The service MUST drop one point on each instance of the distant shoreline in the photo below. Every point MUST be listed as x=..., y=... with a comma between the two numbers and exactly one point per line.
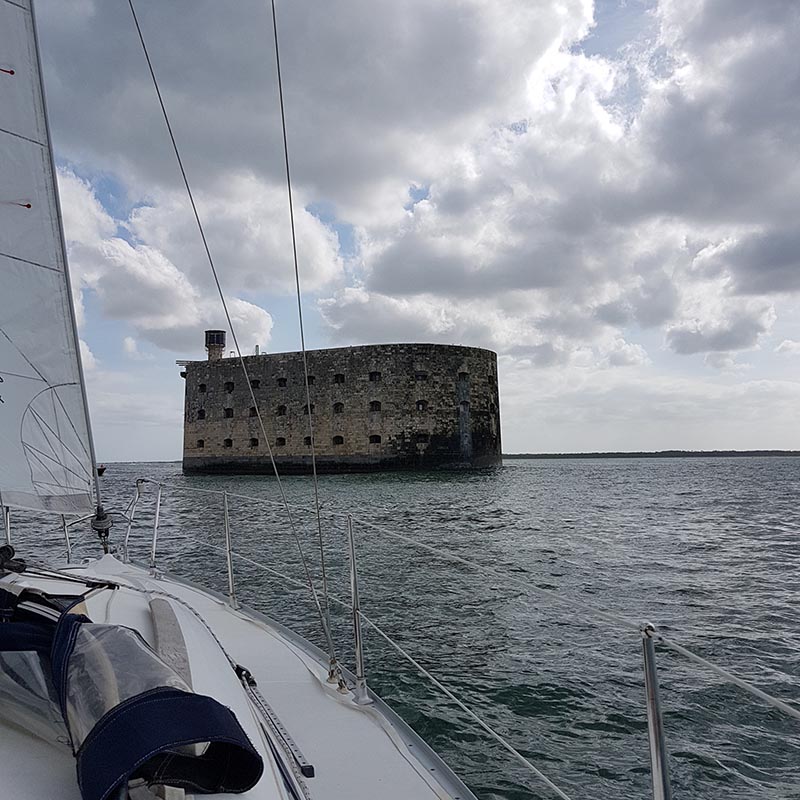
x=664, y=454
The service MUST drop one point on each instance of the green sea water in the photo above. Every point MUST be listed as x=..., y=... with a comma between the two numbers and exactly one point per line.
x=707, y=549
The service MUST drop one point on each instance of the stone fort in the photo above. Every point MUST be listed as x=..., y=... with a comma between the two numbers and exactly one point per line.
x=373, y=407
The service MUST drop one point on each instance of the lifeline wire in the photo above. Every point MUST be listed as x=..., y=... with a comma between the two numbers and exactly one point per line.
x=729, y=676
x=442, y=688
x=300, y=310
x=324, y=620
x=547, y=593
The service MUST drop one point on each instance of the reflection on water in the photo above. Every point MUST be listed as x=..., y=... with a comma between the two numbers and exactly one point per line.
x=708, y=549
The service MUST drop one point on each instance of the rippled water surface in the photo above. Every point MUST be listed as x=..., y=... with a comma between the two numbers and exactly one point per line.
x=708, y=549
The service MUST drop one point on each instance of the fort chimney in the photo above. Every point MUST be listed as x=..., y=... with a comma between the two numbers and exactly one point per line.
x=215, y=344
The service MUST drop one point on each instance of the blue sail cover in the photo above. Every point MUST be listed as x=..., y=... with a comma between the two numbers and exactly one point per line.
x=128, y=715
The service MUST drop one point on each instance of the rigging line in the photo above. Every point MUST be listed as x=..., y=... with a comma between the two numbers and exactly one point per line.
x=324, y=620
x=550, y=594
x=466, y=709
x=300, y=308
x=729, y=676
x=447, y=692
x=578, y=604
x=67, y=297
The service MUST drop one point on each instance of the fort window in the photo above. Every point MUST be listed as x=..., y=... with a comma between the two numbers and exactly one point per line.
x=423, y=438
x=255, y=384
x=311, y=380
x=422, y=405
x=228, y=412
x=228, y=386
x=305, y=409
x=202, y=388
x=228, y=443
x=280, y=441
x=374, y=376
x=338, y=408
x=338, y=439
x=463, y=376
x=464, y=405
x=338, y=378
x=280, y=411
x=375, y=405
x=374, y=439
x=201, y=443
x=281, y=381
x=254, y=442
x=253, y=412
x=201, y=413
x=420, y=376
x=307, y=441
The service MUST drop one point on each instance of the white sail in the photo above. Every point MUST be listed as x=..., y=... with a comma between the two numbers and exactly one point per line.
x=45, y=448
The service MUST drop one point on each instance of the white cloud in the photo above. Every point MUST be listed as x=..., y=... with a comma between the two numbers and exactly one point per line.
x=625, y=354
x=246, y=222
x=87, y=357
x=788, y=347
x=576, y=212
x=137, y=283
x=131, y=349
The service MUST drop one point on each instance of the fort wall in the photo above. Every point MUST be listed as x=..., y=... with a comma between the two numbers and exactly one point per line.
x=373, y=407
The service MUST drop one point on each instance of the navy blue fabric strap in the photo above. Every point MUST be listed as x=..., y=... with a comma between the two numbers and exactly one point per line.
x=21, y=636
x=63, y=644
x=8, y=602
x=142, y=737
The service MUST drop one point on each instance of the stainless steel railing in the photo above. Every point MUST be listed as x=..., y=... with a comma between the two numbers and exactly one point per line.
x=650, y=636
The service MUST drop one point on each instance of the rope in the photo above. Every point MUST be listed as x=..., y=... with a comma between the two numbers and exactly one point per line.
x=323, y=619
x=309, y=407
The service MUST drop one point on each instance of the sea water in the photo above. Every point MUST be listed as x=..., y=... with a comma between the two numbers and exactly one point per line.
x=705, y=548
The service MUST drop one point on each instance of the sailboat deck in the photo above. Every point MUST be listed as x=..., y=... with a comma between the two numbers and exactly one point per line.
x=358, y=752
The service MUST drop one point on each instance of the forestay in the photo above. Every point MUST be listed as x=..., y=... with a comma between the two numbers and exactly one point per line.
x=45, y=448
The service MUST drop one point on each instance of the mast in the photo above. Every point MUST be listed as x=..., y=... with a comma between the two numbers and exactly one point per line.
x=63, y=242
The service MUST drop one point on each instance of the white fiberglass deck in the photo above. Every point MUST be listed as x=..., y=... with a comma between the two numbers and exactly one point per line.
x=358, y=752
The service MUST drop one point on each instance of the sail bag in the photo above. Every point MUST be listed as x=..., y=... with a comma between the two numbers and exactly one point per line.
x=126, y=713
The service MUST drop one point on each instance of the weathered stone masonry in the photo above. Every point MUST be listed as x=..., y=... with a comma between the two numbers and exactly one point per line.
x=374, y=407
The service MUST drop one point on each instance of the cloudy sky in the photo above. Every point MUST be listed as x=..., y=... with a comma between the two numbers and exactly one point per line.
x=604, y=193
